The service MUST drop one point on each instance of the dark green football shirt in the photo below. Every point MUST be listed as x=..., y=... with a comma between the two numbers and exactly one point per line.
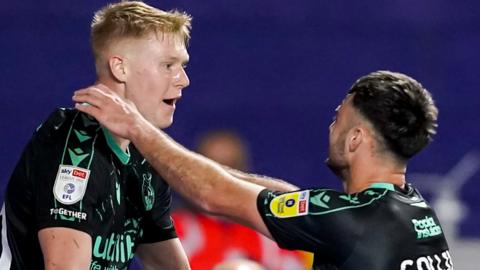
x=380, y=228
x=72, y=174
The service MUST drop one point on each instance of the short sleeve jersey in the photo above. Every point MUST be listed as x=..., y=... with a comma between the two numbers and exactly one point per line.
x=382, y=227
x=72, y=174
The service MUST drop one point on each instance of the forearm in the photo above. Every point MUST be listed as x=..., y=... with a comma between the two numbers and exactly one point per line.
x=261, y=180
x=201, y=180
x=190, y=174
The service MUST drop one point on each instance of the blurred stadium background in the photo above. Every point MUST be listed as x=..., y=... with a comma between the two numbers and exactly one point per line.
x=274, y=71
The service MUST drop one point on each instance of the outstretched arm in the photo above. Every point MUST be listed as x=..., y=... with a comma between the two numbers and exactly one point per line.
x=201, y=180
x=262, y=180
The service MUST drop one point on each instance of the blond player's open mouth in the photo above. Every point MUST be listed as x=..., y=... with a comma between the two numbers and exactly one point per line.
x=170, y=101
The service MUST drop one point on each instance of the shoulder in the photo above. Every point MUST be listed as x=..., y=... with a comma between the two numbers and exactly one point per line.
x=319, y=201
x=60, y=124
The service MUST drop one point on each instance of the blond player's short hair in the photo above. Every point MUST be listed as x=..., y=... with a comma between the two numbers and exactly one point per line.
x=134, y=19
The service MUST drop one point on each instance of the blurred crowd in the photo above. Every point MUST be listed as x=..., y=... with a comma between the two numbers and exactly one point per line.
x=216, y=243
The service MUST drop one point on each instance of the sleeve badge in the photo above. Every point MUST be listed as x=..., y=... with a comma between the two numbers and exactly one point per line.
x=70, y=184
x=290, y=204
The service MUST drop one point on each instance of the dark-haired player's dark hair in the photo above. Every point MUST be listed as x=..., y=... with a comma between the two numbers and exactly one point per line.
x=399, y=108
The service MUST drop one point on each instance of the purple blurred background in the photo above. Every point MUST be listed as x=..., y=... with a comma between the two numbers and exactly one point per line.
x=273, y=71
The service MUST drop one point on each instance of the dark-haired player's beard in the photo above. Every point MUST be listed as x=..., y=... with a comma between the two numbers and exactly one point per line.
x=336, y=157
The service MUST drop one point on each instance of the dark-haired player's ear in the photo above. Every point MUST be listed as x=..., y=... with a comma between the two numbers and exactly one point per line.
x=355, y=138
x=117, y=68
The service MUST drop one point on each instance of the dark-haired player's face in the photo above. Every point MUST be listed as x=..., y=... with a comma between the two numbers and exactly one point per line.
x=339, y=128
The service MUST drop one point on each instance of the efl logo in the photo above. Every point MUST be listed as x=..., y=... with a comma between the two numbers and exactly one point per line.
x=79, y=173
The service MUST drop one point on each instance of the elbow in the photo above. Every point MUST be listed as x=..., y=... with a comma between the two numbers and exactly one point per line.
x=215, y=209
x=213, y=201
x=208, y=208
x=208, y=203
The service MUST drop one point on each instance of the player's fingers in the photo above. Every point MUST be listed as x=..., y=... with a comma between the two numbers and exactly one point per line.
x=97, y=95
x=88, y=98
x=103, y=88
x=97, y=90
x=88, y=109
x=90, y=91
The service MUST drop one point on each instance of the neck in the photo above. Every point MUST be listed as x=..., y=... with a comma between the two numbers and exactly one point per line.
x=123, y=143
x=120, y=90
x=361, y=176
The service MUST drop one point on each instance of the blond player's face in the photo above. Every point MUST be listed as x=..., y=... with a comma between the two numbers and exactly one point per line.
x=156, y=76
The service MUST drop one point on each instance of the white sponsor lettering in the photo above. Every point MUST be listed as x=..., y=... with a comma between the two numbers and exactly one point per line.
x=69, y=213
x=423, y=263
x=406, y=263
x=430, y=262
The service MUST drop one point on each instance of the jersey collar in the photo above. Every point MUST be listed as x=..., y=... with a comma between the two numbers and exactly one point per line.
x=124, y=157
x=387, y=186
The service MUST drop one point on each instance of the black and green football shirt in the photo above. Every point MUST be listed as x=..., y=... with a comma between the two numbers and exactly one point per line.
x=72, y=174
x=383, y=227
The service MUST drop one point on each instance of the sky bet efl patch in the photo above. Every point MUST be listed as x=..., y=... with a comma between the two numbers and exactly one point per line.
x=290, y=205
x=70, y=184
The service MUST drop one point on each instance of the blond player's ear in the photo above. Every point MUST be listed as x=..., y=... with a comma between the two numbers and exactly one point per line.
x=117, y=68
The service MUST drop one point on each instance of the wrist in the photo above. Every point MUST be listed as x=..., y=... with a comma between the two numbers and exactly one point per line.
x=138, y=128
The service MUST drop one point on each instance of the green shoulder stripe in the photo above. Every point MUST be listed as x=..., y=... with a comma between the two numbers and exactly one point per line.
x=80, y=141
x=326, y=203
x=79, y=149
